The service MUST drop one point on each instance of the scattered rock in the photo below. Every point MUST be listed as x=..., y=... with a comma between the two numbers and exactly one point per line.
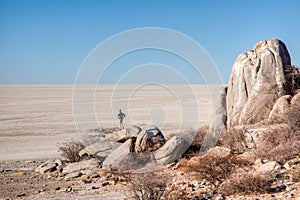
x=125, y=134
x=270, y=168
x=72, y=175
x=57, y=188
x=219, y=152
x=219, y=197
x=21, y=195
x=248, y=157
x=289, y=164
x=105, y=183
x=49, y=166
x=95, y=187
x=85, y=164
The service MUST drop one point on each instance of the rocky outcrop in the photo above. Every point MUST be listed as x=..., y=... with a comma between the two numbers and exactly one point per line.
x=217, y=122
x=257, y=80
x=219, y=114
x=149, y=138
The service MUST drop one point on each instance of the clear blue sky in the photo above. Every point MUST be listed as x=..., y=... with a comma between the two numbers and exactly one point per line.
x=45, y=41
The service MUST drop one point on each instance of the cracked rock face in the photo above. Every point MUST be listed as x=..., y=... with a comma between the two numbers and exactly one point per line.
x=257, y=80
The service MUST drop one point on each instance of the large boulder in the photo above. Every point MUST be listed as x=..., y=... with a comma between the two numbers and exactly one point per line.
x=296, y=100
x=217, y=152
x=116, y=158
x=257, y=80
x=270, y=168
x=281, y=106
x=171, y=151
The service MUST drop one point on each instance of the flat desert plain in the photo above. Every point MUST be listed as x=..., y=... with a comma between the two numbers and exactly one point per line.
x=35, y=119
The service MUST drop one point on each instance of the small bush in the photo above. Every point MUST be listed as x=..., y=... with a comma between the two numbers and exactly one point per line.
x=293, y=79
x=195, y=147
x=70, y=150
x=146, y=186
x=245, y=183
x=213, y=169
x=279, y=146
x=233, y=139
x=175, y=192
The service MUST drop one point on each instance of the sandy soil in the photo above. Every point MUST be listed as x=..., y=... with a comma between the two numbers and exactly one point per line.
x=36, y=118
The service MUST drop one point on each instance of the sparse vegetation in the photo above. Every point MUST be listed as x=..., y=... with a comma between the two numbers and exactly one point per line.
x=233, y=139
x=245, y=183
x=146, y=186
x=195, y=147
x=279, y=146
x=213, y=169
x=70, y=150
x=293, y=79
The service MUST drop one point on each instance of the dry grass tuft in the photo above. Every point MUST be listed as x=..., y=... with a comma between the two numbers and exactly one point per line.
x=146, y=186
x=279, y=146
x=233, y=139
x=245, y=183
x=213, y=169
x=70, y=150
x=195, y=147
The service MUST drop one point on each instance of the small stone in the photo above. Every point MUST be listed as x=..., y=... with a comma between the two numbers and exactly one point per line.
x=72, y=175
x=69, y=189
x=95, y=187
x=21, y=195
x=57, y=188
x=46, y=167
x=105, y=183
x=270, y=168
x=220, y=197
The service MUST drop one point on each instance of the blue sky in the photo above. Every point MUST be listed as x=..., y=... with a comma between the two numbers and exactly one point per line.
x=45, y=41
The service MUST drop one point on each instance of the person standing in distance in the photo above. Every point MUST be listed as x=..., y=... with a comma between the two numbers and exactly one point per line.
x=121, y=116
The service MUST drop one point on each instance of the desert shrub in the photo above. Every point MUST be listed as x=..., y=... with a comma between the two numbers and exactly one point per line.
x=146, y=186
x=70, y=150
x=245, y=183
x=279, y=146
x=213, y=169
x=293, y=79
x=233, y=139
x=175, y=192
x=295, y=173
x=195, y=147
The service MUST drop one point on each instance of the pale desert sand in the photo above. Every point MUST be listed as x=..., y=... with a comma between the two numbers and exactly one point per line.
x=36, y=118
